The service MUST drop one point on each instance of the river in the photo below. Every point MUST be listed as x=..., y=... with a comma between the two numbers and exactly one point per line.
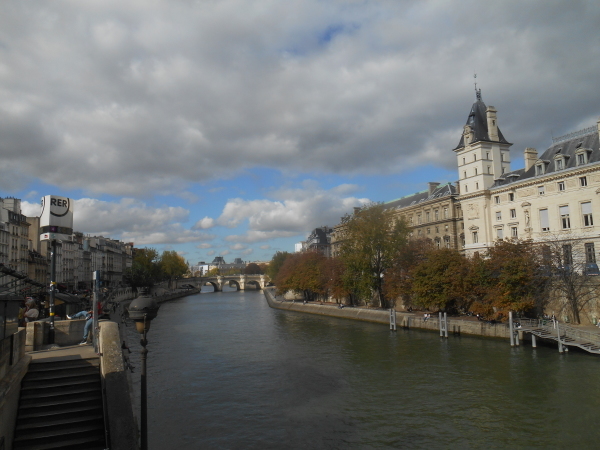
x=225, y=371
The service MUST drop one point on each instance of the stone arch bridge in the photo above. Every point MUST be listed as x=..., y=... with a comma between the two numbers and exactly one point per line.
x=241, y=281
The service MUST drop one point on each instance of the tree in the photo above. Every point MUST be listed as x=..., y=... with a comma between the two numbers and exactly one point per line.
x=144, y=270
x=371, y=240
x=438, y=282
x=397, y=282
x=515, y=282
x=213, y=272
x=303, y=273
x=252, y=269
x=276, y=263
x=172, y=265
x=565, y=259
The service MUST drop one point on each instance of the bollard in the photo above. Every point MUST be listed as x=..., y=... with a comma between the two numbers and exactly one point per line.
x=392, y=319
x=560, y=346
x=533, y=343
x=511, y=329
x=445, y=325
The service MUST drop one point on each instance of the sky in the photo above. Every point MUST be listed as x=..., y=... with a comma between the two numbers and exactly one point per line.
x=233, y=128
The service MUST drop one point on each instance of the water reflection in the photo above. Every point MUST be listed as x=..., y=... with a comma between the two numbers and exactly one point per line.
x=226, y=371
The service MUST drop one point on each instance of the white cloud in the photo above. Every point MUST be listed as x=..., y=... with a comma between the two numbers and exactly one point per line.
x=237, y=247
x=204, y=245
x=264, y=247
x=210, y=253
x=224, y=253
x=248, y=251
x=204, y=224
x=150, y=97
x=303, y=210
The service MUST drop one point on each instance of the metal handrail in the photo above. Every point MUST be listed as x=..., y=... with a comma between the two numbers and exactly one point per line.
x=565, y=330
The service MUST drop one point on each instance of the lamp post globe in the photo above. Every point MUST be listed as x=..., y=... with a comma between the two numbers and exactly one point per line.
x=142, y=310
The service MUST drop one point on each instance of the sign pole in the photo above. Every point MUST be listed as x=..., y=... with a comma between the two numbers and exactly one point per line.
x=52, y=291
x=96, y=276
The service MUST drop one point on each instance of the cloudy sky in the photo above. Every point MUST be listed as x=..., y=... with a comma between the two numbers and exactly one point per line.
x=230, y=127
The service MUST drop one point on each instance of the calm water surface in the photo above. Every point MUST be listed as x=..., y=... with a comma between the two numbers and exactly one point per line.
x=225, y=371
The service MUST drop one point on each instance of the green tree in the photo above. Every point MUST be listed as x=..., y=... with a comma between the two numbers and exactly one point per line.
x=213, y=272
x=303, y=273
x=438, y=282
x=252, y=269
x=144, y=270
x=276, y=263
x=371, y=240
x=172, y=266
x=515, y=281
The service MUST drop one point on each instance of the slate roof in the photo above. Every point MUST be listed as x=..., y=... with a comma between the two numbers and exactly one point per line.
x=477, y=120
x=568, y=148
x=443, y=190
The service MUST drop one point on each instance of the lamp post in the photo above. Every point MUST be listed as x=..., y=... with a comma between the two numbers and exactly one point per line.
x=142, y=310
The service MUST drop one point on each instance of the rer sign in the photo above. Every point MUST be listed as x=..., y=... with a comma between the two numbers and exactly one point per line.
x=56, y=221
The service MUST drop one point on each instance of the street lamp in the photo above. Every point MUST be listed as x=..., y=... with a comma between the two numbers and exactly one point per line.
x=142, y=310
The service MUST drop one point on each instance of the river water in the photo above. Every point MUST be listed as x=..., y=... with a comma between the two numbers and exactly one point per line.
x=225, y=371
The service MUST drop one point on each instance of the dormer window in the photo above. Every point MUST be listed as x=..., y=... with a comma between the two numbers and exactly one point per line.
x=539, y=169
x=582, y=156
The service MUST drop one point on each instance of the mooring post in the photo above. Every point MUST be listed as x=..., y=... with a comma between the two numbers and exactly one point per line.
x=560, y=346
x=445, y=325
x=533, y=343
x=441, y=326
x=392, y=319
x=511, y=329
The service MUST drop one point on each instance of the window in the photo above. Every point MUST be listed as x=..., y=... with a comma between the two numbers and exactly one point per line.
x=474, y=157
x=446, y=228
x=513, y=232
x=466, y=188
x=475, y=170
x=586, y=211
x=539, y=169
x=487, y=155
x=476, y=185
x=427, y=216
x=590, y=253
x=503, y=170
x=499, y=233
x=428, y=230
x=464, y=174
x=567, y=254
x=564, y=217
x=464, y=162
x=497, y=199
x=561, y=185
x=410, y=220
x=436, y=214
x=560, y=164
x=498, y=215
x=462, y=240
x=437, y=229
x=501, y=156
x=489, y=169
x=581, y=159
x=541, y=190
x=544, y=222
x=447, y=241
x=437, y=243
x=511, y=197
x=583, y=181
x=475, y=237
x=445, y=213
x=419, y=219
x=513, y=213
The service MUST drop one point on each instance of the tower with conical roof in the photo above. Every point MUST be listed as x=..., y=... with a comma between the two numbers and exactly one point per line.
x=483, y=152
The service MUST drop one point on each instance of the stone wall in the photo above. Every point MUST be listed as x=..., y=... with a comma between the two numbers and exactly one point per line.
x=406, y=320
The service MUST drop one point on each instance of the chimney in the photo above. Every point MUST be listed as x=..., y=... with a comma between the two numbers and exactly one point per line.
x=530, y=155
x=432, y=186
x=492, y=123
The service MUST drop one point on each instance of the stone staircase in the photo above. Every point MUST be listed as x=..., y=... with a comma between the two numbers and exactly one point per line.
x=61, y=406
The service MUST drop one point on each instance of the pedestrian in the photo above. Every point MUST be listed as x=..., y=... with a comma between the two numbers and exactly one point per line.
x=31, y=310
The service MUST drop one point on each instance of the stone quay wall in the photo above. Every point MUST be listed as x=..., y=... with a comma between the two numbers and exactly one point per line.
x=403, y=319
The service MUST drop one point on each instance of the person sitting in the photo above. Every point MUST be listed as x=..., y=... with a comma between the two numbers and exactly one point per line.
x=31, y=311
